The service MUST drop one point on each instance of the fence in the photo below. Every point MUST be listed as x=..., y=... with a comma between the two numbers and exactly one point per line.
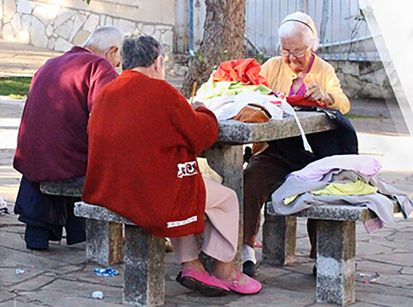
x=338, y=20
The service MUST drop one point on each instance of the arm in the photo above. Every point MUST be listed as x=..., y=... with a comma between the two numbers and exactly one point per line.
x=198, y=128
x=332, y=96
x=333, y=88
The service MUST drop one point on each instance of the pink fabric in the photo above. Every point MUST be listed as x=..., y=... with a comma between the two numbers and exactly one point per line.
x=204, y=278
x=220, y=237
x=315, y=171
x=299, y=81
x=251, y=286
x=373, y=225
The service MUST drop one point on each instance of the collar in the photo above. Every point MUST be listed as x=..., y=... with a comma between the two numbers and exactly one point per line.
x=314, y=69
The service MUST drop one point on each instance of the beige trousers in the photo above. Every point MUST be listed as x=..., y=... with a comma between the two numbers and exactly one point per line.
x=220, y=236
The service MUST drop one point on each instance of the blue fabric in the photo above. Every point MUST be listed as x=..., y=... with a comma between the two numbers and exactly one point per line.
x=47, y=214
x=342, y=140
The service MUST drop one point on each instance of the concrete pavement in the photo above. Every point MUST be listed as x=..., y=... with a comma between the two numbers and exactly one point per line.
x=61, y=277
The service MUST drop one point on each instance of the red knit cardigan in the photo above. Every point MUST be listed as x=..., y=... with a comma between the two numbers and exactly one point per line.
x=144, y=138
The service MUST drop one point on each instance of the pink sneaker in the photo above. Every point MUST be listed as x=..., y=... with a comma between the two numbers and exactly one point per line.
x=202, y=282
x=251, y=286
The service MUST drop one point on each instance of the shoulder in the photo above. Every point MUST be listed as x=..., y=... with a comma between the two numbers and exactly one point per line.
x=324, y=65
x=273, y=62
x=168, y=89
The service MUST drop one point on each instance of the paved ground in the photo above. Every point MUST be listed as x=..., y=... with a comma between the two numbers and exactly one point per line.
x=60, y=277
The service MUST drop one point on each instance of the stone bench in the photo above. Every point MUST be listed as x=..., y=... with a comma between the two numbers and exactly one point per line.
x=143, y=260
x=104, y=239
x=336, y=246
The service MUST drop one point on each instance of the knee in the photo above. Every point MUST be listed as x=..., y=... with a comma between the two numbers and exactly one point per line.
x=231, y=197
x=250, y=175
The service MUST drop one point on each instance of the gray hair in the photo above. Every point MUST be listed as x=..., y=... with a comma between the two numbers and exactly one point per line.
x=105, y=37
x=140, y=51
x=299, y=22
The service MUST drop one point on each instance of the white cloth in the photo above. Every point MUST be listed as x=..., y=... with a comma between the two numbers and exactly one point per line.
x=340, y=168
x=226, y=107
x=248, y=254
x=2, y=203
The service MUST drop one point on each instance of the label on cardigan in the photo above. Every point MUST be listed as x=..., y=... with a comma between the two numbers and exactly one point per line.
x=187, y=169
x=181, y=223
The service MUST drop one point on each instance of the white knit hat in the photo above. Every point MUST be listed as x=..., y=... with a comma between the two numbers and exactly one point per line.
x=303, y=19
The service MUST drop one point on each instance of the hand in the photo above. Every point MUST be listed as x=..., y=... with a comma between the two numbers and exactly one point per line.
x=315, y=93
x=197, y=104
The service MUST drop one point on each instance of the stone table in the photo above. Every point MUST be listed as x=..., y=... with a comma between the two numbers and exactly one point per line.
x=226, y=156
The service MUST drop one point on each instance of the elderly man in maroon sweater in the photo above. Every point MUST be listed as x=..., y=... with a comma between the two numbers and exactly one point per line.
x=52, y=140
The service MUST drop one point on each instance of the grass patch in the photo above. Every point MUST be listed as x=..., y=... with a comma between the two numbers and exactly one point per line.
x=15, y=87
x=359, y=116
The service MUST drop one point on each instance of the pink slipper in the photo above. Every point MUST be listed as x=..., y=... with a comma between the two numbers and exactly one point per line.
x=251, y=286
x=202, y=282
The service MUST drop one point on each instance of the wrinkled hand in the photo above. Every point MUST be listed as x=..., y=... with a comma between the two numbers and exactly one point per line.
x=197, y=104
x=315, y=93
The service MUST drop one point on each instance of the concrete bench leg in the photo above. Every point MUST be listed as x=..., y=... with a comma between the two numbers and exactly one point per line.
x=227, y=161
x=104, y=241
x=336, y=244
x=279, y=239
x=144, y=275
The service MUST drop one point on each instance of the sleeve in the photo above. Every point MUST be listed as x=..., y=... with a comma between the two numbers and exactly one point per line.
x=265, y=69
x=101, y=74
x=198, y=128
x=333, y=87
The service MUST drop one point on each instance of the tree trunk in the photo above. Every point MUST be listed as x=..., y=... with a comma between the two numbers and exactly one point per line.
x=223, y=40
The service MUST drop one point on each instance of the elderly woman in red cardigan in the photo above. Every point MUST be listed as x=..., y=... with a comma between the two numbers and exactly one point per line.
x=144, y=138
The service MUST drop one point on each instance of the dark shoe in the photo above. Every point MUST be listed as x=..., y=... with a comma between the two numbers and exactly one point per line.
x=315, y=271
x=249, y=268
x=202, y=282
x=37, y=238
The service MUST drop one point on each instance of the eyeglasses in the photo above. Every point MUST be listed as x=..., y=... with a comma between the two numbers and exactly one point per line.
x=299, y=53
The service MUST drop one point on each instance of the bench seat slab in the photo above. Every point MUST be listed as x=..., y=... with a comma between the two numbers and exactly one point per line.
x=336, y=268
x=144, y=268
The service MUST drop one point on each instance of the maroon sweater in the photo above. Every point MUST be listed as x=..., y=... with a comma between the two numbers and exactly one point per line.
x=144, y=138
x=52, y=140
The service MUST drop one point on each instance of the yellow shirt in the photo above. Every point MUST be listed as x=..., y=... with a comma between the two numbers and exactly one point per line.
x=281, y=77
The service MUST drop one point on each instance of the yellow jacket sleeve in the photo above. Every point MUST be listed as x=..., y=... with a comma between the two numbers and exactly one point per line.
x=333, y=87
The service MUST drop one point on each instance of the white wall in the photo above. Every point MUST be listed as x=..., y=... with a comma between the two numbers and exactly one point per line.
x=58, y=24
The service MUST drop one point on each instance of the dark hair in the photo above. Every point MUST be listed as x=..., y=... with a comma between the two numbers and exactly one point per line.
x=139, y=51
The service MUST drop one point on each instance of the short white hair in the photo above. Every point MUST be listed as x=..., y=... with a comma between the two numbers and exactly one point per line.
x=105, y=37
x=299, y=22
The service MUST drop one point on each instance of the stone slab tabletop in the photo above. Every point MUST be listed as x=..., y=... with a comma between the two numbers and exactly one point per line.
x=235, y=132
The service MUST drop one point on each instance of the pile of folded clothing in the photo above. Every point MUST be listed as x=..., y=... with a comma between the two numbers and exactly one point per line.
x=236, y=88
x=341, y=180
x=236, y=84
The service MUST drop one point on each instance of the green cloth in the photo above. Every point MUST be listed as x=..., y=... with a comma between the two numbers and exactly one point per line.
x=349, y=188
x=212, y=89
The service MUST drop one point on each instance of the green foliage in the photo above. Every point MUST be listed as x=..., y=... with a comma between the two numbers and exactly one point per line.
x=15, y=87
x=358, y=116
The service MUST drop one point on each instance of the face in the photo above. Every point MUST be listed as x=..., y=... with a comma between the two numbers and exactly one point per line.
x=113, y=56
x=295, y=52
